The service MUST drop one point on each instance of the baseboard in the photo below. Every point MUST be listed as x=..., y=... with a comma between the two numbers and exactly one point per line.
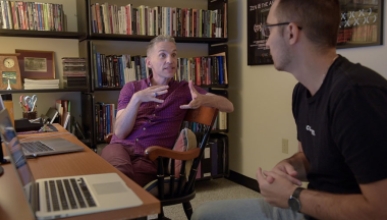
x=243, y=180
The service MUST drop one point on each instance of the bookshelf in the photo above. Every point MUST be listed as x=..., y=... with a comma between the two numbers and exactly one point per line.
x=63, y=43
x=135, y=44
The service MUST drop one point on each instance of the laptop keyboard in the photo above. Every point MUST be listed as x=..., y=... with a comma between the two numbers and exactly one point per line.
x=67, y=194
x=36, y=146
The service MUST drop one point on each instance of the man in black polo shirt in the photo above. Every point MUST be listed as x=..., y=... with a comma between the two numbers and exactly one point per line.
x=340, y=109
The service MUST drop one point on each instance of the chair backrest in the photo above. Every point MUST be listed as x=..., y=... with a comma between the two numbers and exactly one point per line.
x=173, y=190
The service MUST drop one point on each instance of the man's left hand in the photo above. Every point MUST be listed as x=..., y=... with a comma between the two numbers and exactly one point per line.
x=196, y=98
x=277, y=192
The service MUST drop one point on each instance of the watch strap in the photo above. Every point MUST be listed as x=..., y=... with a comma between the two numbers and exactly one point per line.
x=297, y=192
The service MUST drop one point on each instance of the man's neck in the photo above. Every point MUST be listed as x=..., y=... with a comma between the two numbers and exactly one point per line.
x=312, y=70
x=159, y=81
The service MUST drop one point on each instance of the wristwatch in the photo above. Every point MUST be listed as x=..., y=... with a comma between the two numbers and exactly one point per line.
x=294, y=200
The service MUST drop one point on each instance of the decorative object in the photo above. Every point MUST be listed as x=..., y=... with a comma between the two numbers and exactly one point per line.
x=9, y=72
x=258, y=53
x=361, y=23
x=36, y=64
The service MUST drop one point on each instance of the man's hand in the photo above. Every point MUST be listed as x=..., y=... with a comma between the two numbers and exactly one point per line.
x=196, y=98
x=288, y=171
x=277, y=192
x=150, y=94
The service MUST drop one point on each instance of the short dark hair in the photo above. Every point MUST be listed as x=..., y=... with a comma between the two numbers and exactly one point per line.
x=320, y=19
x=160, y=38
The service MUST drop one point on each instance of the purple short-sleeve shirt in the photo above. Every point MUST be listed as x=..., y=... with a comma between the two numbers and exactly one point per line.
x=156, y=123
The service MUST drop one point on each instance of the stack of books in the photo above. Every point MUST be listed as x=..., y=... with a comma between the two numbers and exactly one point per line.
x=74, y=72
x=41, y=83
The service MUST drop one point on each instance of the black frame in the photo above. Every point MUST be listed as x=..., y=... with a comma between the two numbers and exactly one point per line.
x=352, y=32
x=361, y=23
x=257, y=53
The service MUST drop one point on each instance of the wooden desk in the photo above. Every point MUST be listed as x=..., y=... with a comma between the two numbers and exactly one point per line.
x=13, y=204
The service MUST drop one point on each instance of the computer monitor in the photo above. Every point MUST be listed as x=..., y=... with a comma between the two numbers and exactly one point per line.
x=1, y=143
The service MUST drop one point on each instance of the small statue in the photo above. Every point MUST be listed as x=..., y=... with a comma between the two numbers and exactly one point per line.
x=9, y=86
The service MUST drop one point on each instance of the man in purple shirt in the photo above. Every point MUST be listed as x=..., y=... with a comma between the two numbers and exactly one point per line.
x=150, y=112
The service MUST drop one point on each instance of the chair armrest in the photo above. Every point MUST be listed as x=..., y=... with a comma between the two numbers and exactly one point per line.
x=154, y=152
x=108, y=138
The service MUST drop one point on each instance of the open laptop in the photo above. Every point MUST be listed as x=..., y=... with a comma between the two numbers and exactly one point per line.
x=44, y=146
x=59, y=197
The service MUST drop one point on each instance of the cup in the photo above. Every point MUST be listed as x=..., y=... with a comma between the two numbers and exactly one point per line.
x=30, y=115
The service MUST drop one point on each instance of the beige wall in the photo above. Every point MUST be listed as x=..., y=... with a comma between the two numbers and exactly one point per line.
x=262, y=99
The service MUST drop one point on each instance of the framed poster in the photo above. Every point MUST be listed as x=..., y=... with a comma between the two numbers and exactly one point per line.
x=258, y=53
x=36, y=64
x=361, y=23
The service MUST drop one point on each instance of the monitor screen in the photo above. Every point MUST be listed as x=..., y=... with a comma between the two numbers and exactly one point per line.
x=14, y=149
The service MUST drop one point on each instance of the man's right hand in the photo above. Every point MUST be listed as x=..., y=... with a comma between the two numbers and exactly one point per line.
x=284, y=167
x=150, y=94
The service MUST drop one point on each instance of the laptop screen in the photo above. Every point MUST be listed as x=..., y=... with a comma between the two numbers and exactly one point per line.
x=15, y=152
x=1, y=103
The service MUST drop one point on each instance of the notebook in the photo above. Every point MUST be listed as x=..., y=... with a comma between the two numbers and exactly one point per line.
x=43, y=147
x=60, y=197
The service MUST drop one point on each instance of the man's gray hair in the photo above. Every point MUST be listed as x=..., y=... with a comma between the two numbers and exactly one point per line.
x=160, y=38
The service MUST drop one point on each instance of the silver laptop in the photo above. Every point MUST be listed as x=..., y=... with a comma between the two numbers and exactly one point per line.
x=59, y=197
x=46, y=147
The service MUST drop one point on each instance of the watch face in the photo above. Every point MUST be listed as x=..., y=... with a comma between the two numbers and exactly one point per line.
x=294, y=204
x=9, y=63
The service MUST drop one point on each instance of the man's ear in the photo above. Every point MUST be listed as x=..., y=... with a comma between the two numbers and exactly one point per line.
x=148, y=63
x=293, y=33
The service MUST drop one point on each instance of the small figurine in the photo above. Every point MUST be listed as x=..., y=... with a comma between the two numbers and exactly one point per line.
x=9, y=86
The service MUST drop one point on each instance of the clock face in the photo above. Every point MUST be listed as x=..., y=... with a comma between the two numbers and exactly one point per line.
x=9, y=63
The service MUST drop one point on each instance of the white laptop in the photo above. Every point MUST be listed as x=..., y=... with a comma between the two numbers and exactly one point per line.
x=59, y=197
x=46, y=146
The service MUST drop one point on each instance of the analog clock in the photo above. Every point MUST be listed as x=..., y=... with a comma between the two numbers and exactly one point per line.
x=9, y=72
x=9, y=62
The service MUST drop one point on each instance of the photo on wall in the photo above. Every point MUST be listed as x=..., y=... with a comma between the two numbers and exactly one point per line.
x=361, y=23
x=258, y=53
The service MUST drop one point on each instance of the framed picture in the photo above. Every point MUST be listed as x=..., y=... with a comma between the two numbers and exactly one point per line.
x=36, y=64
x=361, y=23
x=257, y=52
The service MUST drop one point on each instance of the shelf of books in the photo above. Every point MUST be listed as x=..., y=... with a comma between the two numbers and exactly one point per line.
x=106, y=21
x=111, y=72
x=33, y=19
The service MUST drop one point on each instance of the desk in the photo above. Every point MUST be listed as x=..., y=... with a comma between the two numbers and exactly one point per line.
x=13, y=204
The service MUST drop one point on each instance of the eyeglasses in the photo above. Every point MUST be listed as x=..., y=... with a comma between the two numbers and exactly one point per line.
x=265, y=31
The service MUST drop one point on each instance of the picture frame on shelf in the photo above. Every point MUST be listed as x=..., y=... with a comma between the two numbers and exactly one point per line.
x=36, y=64
x=361, y=23
x=257, y=52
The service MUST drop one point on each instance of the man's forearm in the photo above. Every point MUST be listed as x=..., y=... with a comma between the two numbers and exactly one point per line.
x=219, y=102
x=125, y=120
x=300, y=164
x=335, y=206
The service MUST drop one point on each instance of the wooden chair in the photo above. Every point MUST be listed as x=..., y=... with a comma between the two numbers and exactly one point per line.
x=172, y=190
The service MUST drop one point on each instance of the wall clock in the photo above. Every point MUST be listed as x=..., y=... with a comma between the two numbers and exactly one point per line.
x=9, y=72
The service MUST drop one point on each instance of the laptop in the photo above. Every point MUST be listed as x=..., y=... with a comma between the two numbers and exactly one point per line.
x=44, y=146
x=60, y=197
